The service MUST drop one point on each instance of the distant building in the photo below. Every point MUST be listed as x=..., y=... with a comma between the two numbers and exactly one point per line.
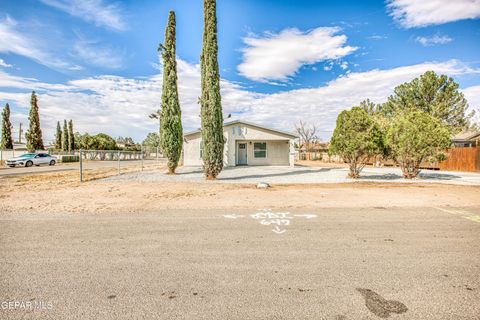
x=20, y=146
x=467, y=139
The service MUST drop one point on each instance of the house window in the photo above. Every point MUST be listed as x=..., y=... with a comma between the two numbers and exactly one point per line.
x=260, y=149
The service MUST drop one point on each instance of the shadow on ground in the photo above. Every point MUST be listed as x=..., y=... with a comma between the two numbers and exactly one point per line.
x=277, y=174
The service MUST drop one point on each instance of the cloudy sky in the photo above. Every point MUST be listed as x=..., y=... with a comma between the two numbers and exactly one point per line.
x=282, y=61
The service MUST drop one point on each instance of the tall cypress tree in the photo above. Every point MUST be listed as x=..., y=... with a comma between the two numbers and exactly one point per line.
x=71, y=138
x=34, y=132
x=7, y=141
x=58, y=137
x=171, y=131
x=65, y=136
x=211, y=104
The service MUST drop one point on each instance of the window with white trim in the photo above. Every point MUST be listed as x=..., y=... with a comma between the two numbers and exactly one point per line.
x=259, y=149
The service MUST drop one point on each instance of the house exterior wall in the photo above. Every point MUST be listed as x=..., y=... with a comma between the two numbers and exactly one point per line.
x=191, y=150
x=277, y=153
x=280, y=148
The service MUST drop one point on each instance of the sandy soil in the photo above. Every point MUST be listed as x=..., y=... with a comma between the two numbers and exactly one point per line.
x=62, y=193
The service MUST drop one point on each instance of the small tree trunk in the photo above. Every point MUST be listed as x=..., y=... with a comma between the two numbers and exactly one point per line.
x=211, y=177
x=171, y=170
x=411, y=169
x=354, y=173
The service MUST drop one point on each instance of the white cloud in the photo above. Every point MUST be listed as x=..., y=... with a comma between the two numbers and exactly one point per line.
x=433, y=40
x=377, y=37
x=4, y=64
x=472, y=94
x=322, y=105
x=101, y=56
x=344, y=65
x=17, y=42
x=278, y=56
x=421, y=13
x=10, y=81
x=93, y=11
x=120, y=106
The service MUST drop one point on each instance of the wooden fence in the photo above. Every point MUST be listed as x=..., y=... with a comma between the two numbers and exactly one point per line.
x=462, y=159
x=459, y=159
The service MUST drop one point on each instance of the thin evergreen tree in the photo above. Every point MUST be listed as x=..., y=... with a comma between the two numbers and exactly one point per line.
x=71, y=137
x=171, y=131
x=7, y=141
x=65, y=136
x=211, y=104
x=34, y=132
x=58, y=137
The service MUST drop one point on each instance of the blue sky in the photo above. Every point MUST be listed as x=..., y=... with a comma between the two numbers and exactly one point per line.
x=95, y=61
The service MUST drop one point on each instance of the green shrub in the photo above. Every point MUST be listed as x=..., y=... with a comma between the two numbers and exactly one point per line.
x=356, y=138
x=414, y=137
x=72, y=158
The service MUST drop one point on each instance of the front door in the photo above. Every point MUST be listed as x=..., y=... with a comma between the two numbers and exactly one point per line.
x=242, y=154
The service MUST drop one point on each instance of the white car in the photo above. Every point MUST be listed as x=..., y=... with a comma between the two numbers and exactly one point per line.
x=30, y=159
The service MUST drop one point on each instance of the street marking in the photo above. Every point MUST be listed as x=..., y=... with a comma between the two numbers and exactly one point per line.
x=277, y=230
x=279, y=220
x=233, y=216
x=308, y=216
x=462, y=213
x=452, y=211
x=473, y=218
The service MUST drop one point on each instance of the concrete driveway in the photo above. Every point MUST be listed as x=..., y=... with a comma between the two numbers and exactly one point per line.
x=336, y=264
x=301, y=174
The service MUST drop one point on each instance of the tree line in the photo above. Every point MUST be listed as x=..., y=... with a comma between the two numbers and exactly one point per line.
x=66, y=139
x=415, y=125
x=34, y=132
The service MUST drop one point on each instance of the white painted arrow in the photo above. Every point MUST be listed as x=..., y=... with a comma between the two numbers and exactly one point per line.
x=277, y=230
x=232, y=216
x=308, y=216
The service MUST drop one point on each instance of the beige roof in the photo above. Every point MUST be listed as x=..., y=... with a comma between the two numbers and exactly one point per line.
x=466, y=136
x=226, y=124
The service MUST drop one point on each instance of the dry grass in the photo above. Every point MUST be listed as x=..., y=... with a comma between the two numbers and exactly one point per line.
x=63, y=179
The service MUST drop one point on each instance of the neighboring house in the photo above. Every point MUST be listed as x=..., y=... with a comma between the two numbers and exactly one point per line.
x=467, y=139
x=20, y=146
x=245, y=144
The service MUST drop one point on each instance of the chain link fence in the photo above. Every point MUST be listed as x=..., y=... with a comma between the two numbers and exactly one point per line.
x=96, y=164
x=91, y=164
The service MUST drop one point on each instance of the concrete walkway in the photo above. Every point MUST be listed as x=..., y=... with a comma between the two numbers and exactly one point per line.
x=300, y=174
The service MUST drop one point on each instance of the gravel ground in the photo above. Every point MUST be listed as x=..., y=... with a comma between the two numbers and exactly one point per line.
x=299, y=175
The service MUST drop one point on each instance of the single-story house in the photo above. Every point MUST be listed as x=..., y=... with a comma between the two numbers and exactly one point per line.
x=246, y=144
x=467, y=139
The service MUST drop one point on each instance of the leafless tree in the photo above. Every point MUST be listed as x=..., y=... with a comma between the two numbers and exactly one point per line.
x=307, y=133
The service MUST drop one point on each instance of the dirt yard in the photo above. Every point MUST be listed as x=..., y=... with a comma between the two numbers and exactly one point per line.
x=190, y=249
x=61, y=192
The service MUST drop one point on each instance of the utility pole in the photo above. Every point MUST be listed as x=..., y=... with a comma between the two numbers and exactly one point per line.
x=20, y=131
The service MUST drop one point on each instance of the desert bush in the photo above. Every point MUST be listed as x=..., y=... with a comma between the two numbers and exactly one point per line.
x=356, y=138
x=415, y=137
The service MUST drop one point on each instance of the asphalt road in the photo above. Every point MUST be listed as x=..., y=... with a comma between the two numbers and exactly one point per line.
x=322, y=264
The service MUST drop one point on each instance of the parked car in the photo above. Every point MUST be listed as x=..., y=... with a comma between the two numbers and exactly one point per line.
x=30, y=159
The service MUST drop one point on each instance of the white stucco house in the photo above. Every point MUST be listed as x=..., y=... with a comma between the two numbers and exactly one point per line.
x=246, y=144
